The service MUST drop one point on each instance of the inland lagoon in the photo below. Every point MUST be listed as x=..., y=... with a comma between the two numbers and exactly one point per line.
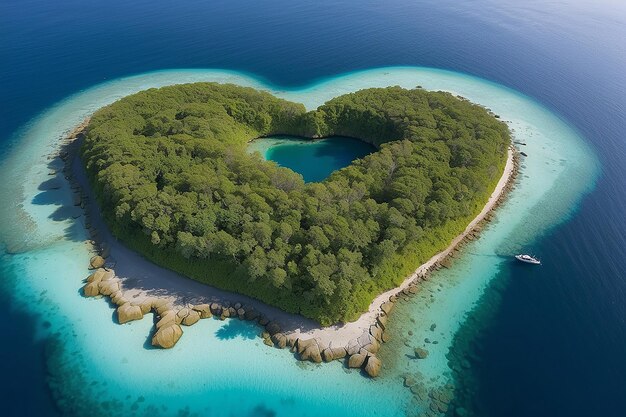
x=313, y=159
x=99, y=367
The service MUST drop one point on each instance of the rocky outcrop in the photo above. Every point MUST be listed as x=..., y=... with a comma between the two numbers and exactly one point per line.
x=333, y=353
x=204, y=310
x=109, y=287
x=372, y=367
x=272, y=327
x=387, y=307
x=145, y=305
x=188, y=317
x=251, y=314
x=167, y=318
x=280, y=340
x=118, y=298
x=382, y=321
x=96, y=262
x=161, y=306
x=420, y=353
x=216, y=309
x=376, y=332
x=127, y=312
x=167, y=336
x=356, y=360
x=91, y=289
x=309, y=349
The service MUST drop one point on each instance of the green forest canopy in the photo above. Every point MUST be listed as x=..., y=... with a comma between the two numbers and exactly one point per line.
x=175, y=183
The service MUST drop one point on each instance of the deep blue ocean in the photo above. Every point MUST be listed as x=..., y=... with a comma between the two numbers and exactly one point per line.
x=555, y=342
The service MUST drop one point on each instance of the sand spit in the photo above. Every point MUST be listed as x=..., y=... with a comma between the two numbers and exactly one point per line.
x=136, y=286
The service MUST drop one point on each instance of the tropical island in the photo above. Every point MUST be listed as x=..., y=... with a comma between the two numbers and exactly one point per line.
x=181, y=192
x=174, y=182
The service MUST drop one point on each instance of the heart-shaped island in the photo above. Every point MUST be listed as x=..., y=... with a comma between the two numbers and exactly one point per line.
x=174, y=181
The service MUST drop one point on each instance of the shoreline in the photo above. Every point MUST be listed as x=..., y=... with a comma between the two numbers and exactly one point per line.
x=137, y=286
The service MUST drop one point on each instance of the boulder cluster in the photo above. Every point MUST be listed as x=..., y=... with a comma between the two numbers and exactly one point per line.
x=358, y=353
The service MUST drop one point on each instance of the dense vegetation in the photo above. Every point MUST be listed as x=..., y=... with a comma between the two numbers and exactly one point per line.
x=174, y=181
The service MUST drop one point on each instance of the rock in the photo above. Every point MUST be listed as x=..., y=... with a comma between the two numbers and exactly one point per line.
x=127, y=312
x=279, y=340
x=356, y=360
x=96, y=276
x=145, y=305
x=108, y=287
x=365, y=339
x=204, y=310
x=312, y=353
x=433, y=327
x=372, y=347
x=216, y=309
x=376, y=332
x=251, y=314
x=161, y=306
x=192, y=318
x=241, y=313
x=96, y=262
x=77, y=199
x=237, y=306
x=421, y=353
x=167, y=318
x=382, y=321
x=263, y=321
x=225, y=313
x=232, y=312
x=386, y=337
x=331, y=353
x=353, y=347
x=387, y=307
x=167, y=336
x=291, y=339
x=118, y=298
x=372, y=367
x=409, y=381
x=272, y=327
x=182, y=313
x=107, y=275
x=91, y=289
x=268, y=342
x=302, y=344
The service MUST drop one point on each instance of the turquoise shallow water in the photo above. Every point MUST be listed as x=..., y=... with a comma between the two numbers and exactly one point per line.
x=220, y=368
x=313, y=159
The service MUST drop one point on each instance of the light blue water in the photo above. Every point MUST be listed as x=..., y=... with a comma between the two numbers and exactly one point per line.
x=315, y=160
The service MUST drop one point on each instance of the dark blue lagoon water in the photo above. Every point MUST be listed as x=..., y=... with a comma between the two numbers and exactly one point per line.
x=546, y=341
x=315, y=160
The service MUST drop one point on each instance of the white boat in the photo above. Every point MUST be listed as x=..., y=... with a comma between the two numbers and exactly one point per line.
x=528, y=259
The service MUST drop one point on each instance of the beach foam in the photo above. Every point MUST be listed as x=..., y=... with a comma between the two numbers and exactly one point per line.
x=221, y=368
